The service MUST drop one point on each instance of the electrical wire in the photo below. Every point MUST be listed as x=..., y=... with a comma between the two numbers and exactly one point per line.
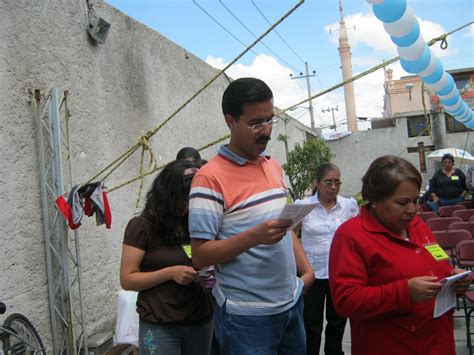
x=231, y=34
x=255, y=36
x=291, y=49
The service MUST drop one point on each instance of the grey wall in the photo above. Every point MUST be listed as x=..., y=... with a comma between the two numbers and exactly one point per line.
x=354, y=153
x=116, y=91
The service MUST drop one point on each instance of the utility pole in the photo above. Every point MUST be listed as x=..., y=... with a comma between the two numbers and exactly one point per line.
x=332, y=109
x=308, y=85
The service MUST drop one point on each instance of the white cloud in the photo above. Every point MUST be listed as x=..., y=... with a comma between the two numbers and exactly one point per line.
x=371, y=33
x=286, y=91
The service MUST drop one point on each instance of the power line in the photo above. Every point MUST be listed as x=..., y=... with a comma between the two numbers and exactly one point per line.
x=253, y=34
x=291, y=49
x=230, y=33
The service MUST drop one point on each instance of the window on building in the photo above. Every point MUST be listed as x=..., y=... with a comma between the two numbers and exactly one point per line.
x=462, y=81
x=453, y=125
x=417, y=126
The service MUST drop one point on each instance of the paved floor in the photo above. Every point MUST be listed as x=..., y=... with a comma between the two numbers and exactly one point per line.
x=459, y=335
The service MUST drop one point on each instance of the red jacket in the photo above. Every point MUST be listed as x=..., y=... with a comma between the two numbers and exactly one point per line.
x=368, y=272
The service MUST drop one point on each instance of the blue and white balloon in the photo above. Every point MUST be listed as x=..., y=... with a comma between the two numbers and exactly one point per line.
x=416, y=58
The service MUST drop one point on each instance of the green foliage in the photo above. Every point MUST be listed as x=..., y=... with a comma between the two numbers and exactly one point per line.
x=360, y=200
x=302, y=163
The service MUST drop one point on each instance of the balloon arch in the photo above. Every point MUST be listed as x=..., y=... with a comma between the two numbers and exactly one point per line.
x=416, y=57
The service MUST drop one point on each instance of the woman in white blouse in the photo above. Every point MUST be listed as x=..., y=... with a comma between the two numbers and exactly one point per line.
x=317, y=231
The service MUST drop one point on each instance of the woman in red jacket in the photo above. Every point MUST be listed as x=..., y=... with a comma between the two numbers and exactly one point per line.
x=382, y=275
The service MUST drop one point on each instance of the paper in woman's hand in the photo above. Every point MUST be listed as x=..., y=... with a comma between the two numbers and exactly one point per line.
x=446, y=298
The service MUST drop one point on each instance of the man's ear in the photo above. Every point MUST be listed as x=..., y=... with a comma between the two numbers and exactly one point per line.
x=229, y=120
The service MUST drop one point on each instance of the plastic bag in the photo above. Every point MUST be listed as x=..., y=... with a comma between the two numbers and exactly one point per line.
x=126, y=328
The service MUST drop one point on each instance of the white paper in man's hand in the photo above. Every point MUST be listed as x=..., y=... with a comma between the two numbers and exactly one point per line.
x=446, y=298
x=295, y=212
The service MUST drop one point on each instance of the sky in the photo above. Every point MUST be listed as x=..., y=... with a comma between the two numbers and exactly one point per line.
x=217, y=31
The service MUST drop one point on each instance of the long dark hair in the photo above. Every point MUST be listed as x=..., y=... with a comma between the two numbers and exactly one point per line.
x=166, y=201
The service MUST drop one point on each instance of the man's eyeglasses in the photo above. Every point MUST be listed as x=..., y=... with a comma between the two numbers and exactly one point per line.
x=336, y=183
x=260, y=126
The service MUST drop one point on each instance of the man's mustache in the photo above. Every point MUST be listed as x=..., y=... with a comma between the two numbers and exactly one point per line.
x=263, y=139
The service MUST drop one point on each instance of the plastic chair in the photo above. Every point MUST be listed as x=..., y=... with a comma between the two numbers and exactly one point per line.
x=427, y=215
x=447, y=211
x=449, y=239
x=441, y=223
x=469, y=226
x=467, y=204
x=465, y=254
x=464, y=214
x=422, y=208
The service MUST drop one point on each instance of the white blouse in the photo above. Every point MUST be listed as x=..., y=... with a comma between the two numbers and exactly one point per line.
x=318, y=228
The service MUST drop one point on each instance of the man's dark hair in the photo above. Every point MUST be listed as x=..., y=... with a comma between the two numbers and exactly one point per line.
x=188, y=153
x=244, y=91
x=167, y=198
x=384, y=176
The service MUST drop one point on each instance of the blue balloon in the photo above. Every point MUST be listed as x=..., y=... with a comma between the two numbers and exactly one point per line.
x=460, y=111
x=451, y=101
x=470, y=124
x=409, y=38
x=466, y=117
x=447, y=88
x=419, y=64
x=390, y=10
x=436, y=75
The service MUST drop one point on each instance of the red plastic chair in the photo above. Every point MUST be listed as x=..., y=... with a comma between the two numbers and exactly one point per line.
x=449, y=239
x=447, y=211
x=427, y=215
x=465, y=254
x=441, y=223
x=422, y=208
x=469, y=226
x=464, y=214
x=467, y=204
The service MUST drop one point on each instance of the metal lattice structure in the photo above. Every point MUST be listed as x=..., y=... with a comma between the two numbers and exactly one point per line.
x=63, y=265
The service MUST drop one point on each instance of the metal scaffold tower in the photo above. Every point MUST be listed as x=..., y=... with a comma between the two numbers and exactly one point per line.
x=63, y=267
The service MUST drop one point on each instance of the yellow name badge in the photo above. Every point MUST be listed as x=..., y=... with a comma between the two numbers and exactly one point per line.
x=436, y=251
x=454, y=177
x=187, y=250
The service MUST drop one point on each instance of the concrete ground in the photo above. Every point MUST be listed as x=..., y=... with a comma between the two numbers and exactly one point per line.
x=459, y=335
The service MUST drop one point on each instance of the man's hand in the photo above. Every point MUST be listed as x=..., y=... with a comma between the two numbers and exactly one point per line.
x=271, y=232
x=423, y=288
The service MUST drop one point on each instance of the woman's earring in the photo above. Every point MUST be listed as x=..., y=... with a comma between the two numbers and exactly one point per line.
x=373, y=205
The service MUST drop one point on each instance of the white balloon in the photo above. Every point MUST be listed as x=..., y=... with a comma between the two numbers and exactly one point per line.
x=450, y=94
x=375, y=1
x=439, y=84
x=431, y=66
x=414, y=51
x=403, y=26
x=454, y=107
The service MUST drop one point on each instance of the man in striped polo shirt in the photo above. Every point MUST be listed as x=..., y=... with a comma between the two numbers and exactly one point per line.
x=234, y=204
